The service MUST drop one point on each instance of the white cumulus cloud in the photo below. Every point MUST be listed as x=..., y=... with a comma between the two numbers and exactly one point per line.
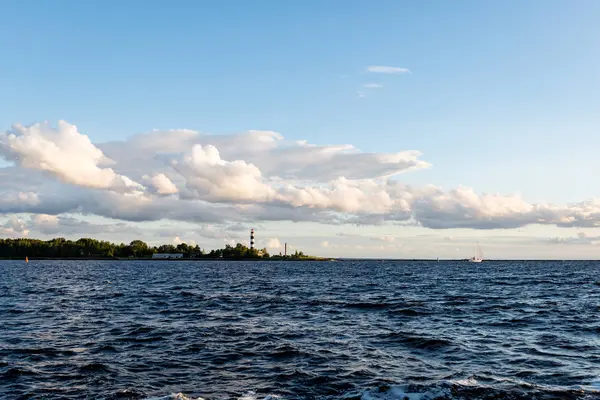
x=64, y=153
x=178, y=240
x=14, y=227
x=274, y=244
x=213, y=178
x=162, y=184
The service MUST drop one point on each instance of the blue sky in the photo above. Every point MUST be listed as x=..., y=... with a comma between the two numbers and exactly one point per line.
x=502, y=96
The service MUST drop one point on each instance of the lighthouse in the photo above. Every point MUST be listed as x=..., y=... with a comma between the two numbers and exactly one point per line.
x=251, y=238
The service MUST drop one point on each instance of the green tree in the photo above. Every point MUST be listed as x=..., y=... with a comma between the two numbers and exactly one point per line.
x=139, y=248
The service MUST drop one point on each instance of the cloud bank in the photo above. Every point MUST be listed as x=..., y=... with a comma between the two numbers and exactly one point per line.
x=185, y=175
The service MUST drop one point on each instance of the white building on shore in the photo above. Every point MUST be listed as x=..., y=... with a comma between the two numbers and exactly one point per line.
x=166, y=256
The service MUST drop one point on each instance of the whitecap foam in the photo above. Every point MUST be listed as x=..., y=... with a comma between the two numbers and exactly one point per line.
x=175, y=396
x=246, y=396
x=465, y=382
x=590, y=388
x=460, y=389
x=443, y=391
x=404, y=393
x=254, y=396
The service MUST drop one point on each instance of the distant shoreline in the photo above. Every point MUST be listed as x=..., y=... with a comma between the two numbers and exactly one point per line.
x=160, y=259
x=433, y=260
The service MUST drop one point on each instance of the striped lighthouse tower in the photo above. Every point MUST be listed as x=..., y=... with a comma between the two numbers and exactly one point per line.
x=252, y=238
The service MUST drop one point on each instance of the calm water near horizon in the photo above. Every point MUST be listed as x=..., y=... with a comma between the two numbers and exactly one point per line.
x=301, y=330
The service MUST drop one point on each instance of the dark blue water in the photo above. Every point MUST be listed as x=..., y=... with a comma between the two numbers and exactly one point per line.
x=376, y=330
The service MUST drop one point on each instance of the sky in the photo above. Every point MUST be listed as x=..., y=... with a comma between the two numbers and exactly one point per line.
x=344, y=128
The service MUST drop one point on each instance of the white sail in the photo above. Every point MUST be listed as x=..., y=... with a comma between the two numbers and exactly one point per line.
x=478, y=256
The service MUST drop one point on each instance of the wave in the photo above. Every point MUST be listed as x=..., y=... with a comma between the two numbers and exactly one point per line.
x=287, y=351
x=418, y=342
x=247, y=396
x=94, y=367
x=465, y=389
x=175, y=396
x=45, y=351
x=369, y=305
x=17, y=372
x=472, y=389
x=409, y=312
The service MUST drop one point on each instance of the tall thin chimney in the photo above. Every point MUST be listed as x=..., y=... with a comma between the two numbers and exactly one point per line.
x=285, y=249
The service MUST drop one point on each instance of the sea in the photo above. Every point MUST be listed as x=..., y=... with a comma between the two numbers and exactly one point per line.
x=370, y=330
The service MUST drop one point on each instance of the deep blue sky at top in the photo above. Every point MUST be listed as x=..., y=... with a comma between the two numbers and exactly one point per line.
x=503, y=95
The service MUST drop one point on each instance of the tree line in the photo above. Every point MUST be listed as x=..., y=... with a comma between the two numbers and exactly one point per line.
x=86, y=247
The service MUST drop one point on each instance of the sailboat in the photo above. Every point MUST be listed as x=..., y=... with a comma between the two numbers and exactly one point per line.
x=478, y=257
